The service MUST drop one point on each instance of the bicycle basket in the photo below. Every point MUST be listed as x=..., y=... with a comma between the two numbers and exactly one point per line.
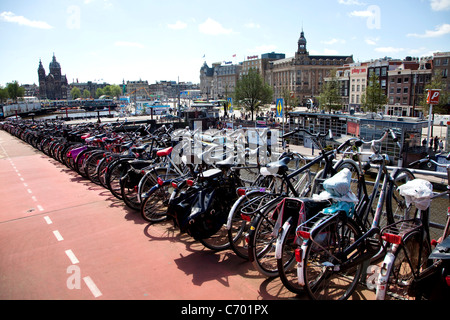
x=300, y=209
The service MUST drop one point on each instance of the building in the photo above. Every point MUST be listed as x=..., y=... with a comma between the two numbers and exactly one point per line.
x=358, y=85
x=406, y=86
x=89, y=86
x=302, y=75
x=53, y=86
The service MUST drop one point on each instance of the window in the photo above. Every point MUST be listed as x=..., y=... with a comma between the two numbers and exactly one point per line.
x=406, y=80
x=405, y=90
x=383, y=84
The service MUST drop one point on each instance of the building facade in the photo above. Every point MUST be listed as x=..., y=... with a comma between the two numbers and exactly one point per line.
x=53, y=86
x=304, y=74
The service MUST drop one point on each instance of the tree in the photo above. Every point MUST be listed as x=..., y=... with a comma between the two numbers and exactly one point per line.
x=99, y=92
x=15, y=91
x=251, y=92
x=437, y=83
x=116, y=91
x=374, y=97
x=3, y=94
x=75, y=93
x=86, y=94
x=329, y=98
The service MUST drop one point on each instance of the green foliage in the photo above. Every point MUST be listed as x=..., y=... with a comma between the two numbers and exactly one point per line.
x=374, y=97
x=329, y=98
x=251, y=92
x=15, y=91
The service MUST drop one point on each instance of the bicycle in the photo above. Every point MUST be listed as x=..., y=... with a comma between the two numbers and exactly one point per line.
x=337, y=248
x=262, y=236
x=409, y=269
x=296, y=211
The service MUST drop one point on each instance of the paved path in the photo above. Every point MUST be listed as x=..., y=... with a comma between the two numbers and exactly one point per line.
x=62, y=237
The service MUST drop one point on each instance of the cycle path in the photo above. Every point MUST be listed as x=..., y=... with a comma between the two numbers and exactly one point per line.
x=65, y=238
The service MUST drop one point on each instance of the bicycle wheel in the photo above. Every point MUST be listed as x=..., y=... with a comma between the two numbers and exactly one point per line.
x=326, y=278
x=262, y=241
x=285, y=253
x=154, y=206
x=218, y=241
x=90, y=169
x=155, y=197
x=396, y=207
x=406, y=262
x=239, y=222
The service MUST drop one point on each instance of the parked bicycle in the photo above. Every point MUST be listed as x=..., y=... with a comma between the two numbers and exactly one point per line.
x=411, y=270
x=337, y=249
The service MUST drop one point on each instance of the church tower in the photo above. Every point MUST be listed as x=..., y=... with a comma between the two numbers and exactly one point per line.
x=302, y=44
x=42, y=84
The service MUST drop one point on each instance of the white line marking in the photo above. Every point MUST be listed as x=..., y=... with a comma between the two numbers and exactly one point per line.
x=72, y=257
x=25, y=184
x=58, y=235
x=29, y=191
x=48, y=220
x=33, y=198
x=91, y=285
x=40, y=207
x=22, y=179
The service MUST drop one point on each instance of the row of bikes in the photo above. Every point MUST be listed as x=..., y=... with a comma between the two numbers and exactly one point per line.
x=316, y=223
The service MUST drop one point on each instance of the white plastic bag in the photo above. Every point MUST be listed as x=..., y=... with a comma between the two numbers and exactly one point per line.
x=417, y=191
x=338, y=187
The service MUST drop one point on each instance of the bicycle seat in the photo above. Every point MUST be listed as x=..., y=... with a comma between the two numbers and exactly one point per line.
x=164, y=152
x=226, y=164
x=276, y=167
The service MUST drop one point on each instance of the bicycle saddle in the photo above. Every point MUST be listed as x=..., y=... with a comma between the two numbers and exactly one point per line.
x=276, y=167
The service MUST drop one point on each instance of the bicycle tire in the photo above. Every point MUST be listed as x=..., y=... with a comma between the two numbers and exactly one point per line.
x=237, y=226
x=90, y=168
x=400, y=276
x=322, y=281
x=262, y=242
x=396, y=208
x=155, y=202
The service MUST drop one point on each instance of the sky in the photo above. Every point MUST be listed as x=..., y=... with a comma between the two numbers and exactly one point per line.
x=115, y=40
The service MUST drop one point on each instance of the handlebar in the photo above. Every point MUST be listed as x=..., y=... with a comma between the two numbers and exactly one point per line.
x=316, y=135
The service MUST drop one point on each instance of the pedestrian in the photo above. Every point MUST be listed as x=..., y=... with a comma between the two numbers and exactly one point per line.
x=441, y=146
x=436, y=143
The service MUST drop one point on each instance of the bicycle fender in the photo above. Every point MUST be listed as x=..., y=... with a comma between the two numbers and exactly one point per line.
x=281, y=235
x=301, y=266
x=384, y=275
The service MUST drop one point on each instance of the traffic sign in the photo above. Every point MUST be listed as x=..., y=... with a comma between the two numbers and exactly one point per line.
x=279, y=113
x=230, y=105
x=433, y=96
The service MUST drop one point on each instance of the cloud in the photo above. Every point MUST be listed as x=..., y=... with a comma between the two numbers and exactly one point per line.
x=11, y=17
x=372, y=41
x=440, y=5
x=389, y=50
x=177, y=25
x=128, y=44
x=213, y=27
x=325, y=51
x=439, y=31
x=351, y=2
x=252, y=25
x=362, y=14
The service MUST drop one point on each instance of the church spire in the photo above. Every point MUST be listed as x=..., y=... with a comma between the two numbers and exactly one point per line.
x=302, y=43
